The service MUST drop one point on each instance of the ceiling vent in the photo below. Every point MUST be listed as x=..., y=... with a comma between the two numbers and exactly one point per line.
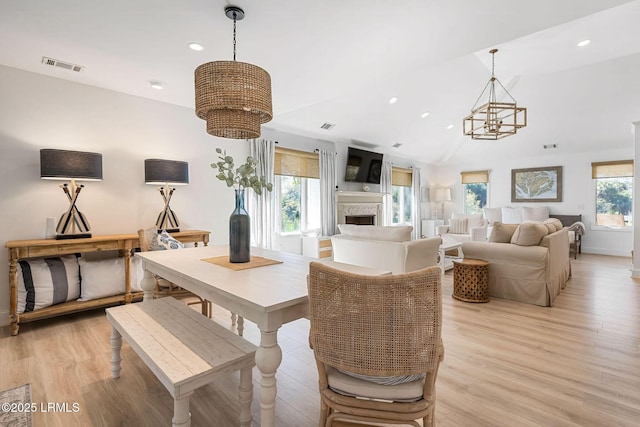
x=327, y=126
x=62, y=64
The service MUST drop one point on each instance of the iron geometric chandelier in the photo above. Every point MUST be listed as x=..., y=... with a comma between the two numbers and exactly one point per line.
x=233, y=97
x=494, y=120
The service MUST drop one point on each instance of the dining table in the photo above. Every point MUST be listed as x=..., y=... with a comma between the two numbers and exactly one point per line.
x=272, y=291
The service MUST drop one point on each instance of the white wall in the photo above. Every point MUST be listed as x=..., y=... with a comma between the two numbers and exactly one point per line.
x=578, y=193
x=42, y=112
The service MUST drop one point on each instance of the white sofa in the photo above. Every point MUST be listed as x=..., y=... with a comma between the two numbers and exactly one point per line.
x=465, y=228
x=388, y=248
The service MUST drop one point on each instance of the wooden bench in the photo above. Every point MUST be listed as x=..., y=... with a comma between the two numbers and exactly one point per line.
x=184, y=349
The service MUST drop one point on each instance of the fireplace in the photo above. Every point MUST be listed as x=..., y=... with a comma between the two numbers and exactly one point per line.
x=361, y=208
x=360, y=219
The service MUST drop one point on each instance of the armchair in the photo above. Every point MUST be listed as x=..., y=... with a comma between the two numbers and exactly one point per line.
x=377, y=344
x=465, y=228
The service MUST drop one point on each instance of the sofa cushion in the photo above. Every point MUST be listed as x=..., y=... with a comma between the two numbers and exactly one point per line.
x=539, y=213
x=373, y=232
x=555, y=222
x=47, y=281
x=511, y=215
x=529, y=234
x=502, y=233
x=458, y=225
x=551, y=228
x=493, y=215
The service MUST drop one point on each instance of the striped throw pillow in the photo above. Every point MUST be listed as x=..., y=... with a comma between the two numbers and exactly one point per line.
x=458, y=226
x=47, y=281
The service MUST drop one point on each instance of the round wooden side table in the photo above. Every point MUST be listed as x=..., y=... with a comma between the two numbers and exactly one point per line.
x=471, y=280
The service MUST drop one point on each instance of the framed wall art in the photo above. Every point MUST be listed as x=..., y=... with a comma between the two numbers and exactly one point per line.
x=536, y=184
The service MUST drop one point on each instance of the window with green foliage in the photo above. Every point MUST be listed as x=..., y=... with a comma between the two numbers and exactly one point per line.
x=614, y=193
x=297, y=190
x=475, y=191
x=401, y=199
x=299, y=201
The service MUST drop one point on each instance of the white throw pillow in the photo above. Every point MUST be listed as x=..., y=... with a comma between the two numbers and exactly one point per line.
x=400, y=233
x=47, y=281
x=164, y=241
x=105, y=277
x=493, y=215
x=473, y=220
x=540, y=213
x=458, y=226
x=511, y=215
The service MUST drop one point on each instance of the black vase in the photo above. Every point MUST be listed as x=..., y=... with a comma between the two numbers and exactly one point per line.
x=239, y=231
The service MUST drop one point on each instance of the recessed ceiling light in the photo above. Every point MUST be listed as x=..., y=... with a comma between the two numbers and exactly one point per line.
x=196, y=46
x=583, y=43
x=393, y=100
x=156, y=84
x=450, y=127
x=425, y=114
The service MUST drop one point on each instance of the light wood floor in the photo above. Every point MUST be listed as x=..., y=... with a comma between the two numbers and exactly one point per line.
x=506, y=364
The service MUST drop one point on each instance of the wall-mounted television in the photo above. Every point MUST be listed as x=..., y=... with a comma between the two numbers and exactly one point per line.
x=363, y=166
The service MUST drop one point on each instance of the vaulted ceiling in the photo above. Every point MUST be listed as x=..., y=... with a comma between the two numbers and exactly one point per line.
x=340, y=61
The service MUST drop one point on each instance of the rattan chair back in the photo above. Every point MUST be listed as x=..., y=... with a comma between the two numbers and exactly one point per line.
x=379, y=326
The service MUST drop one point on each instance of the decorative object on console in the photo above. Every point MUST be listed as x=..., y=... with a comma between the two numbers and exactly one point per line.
x=443, y=195
x=239, y=222
x=494, y=120
x=233, y=97
x=71, y=165
x=169, y=173
x=536, y=184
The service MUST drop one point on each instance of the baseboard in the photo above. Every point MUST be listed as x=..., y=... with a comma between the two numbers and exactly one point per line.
x=603, y=251
x=4, y=318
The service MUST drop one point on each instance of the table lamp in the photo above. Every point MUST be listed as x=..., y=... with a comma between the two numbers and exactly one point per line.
x=166, y=173
x=71, y=165
x=443, y=195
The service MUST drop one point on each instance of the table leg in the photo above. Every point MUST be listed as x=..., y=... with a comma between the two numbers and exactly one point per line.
x=147, y=284
x=268, y=358
x=116, y=359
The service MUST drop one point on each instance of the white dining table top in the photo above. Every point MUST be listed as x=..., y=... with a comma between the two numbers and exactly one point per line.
x=266, y=288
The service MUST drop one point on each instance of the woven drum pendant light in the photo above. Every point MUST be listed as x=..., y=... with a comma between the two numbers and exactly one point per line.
x=233, y=97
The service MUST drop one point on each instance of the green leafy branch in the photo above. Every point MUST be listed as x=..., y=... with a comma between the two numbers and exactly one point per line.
x=244, y=176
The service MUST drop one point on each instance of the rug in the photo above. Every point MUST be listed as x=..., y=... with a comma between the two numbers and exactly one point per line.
x=12, y=411
x=256, y=261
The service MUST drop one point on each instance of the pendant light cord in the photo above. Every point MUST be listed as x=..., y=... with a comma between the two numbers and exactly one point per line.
x=234, y=36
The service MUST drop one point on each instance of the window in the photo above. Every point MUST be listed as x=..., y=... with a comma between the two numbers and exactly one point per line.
x=475, y=191
x=614, y=192
x=401, y=200
x=297, y=190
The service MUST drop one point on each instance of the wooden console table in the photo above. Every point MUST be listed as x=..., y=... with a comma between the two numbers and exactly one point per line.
x=40, y=248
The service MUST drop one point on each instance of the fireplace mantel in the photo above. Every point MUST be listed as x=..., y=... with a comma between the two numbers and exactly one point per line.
x=358, y=197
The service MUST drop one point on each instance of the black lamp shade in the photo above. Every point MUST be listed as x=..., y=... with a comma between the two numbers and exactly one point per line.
x=65, y=164
x=158, y=171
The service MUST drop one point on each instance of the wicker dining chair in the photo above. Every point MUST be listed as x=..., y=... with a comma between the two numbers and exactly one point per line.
x=163, y=287
x=376, y=328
